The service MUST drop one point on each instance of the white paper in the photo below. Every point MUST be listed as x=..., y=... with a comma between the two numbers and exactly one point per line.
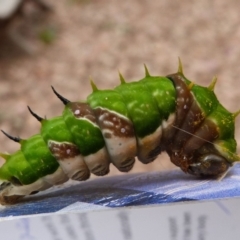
x=206, y=220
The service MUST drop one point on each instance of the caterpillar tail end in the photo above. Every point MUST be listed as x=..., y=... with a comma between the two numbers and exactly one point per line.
x=9, y=200
x=4, y=198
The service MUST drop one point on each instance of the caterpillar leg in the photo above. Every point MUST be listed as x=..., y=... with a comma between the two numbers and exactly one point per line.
x=11, y=193
x=98, y=163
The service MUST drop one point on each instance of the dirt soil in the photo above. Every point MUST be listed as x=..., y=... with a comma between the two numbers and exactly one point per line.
x=98, y=38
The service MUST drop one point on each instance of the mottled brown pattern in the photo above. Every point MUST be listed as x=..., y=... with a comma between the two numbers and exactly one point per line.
x=120, y=127
x=207, y=132
x=82, y=110
x=184, y=98
x=193, y=119
x=190, y=143
x=63, y=151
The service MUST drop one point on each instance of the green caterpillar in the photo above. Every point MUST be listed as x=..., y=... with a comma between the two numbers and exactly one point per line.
x=141, y=118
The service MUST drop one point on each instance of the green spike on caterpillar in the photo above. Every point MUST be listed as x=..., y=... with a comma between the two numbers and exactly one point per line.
x=122, y=80
x=213, y=83
x=235, y=114
x=135, y=119
x=180, y=67
x=147, y=74
x=93, y=85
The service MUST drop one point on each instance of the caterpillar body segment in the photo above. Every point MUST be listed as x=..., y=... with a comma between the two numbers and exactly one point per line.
x=77, y=140
x=141, y=118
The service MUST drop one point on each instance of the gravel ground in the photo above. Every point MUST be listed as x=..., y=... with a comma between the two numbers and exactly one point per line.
x=98, y=38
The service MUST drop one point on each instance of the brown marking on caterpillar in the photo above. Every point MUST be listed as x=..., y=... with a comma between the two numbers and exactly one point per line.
x=63, y=151
x=82, y=110
x=119, y=126
x=190, y=142
x=70, y=159
x=193, y=120
x=184, y=100
x=107, y=135
x=118, y=133
x=208, y=131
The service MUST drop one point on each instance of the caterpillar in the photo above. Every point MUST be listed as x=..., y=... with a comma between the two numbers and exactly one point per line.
x=136, y=119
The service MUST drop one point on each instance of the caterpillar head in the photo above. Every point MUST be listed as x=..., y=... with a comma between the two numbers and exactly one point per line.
x=202, y=139
x=205, y=161
x=210, y=164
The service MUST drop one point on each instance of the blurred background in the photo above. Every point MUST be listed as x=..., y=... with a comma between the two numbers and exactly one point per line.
x=67, y=41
